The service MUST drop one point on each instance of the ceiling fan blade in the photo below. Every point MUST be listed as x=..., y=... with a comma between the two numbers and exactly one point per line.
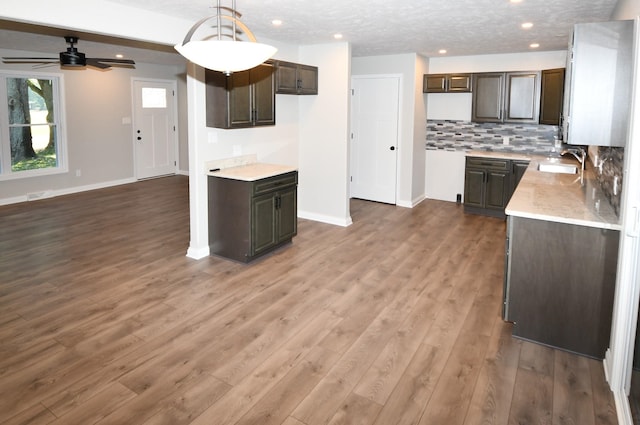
x=97, y=64
x=28, y=60
x=114, y=61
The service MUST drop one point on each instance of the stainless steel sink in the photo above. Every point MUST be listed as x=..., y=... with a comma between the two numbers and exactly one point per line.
x=557, y=167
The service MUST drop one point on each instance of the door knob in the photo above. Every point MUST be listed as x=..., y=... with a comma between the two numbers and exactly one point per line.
x=393, y=148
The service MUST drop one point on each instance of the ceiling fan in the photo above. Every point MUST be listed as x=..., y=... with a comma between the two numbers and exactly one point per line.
x=73, y=58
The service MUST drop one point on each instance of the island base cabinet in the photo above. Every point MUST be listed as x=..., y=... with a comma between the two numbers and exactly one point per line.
x=560, y=283
x=248, y=219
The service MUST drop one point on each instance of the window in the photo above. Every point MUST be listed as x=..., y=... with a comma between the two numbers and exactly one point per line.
x=31, y=135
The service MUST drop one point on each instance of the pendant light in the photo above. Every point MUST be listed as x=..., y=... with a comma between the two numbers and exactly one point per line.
x=223, y=51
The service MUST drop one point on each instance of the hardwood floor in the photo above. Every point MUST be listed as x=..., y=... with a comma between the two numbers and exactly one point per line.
x=393, y=320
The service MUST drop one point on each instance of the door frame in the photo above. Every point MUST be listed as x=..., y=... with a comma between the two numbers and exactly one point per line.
x=399, y=144
x=174, y=105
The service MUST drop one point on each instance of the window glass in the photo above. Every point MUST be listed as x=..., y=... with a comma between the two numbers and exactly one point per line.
x=31, y=142
x=154, y=97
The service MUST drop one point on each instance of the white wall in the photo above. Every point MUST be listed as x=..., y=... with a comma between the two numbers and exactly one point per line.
x=619, y=357
x=323, y=191
x=98, y=143
x=409, y=190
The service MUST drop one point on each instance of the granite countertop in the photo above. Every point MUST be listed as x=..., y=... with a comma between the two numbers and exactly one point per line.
x=564, y=198
x=251, y=172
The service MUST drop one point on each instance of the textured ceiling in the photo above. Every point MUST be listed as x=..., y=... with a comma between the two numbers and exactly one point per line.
x=376, y=27
x=373, y=27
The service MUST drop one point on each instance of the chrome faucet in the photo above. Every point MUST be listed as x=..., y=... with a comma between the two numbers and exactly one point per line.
x=579, y=153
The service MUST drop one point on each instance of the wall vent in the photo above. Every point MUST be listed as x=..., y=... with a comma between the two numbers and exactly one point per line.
x=38, y=195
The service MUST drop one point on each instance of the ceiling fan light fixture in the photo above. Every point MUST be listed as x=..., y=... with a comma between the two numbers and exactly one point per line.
x=224, y=52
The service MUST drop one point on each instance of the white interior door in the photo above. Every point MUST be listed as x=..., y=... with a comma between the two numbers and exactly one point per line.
x=374, y=137
x=154, y=128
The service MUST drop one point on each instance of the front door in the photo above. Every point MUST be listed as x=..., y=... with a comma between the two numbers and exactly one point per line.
x=154, y=128
x=374, y=137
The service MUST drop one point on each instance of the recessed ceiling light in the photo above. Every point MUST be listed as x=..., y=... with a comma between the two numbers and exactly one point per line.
x=276, y=22
x=442, y=51
x=527, y=25
x=515, y=1
x=119, y=56
x=534, y=45
x=337, y=36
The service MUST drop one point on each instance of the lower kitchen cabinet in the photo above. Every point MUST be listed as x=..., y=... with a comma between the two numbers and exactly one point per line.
x=517, y=171
x=487, y=186
x=250, y=218
x=560, y=283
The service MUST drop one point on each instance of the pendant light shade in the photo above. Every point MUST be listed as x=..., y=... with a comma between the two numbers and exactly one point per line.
x=223, y=51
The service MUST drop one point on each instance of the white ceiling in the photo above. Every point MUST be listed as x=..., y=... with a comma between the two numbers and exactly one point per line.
x=373, y=27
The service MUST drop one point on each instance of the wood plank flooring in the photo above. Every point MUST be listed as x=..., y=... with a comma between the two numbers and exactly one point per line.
x=393, y=320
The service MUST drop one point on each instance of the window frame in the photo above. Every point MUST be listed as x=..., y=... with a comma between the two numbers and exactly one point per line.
x=6, y=173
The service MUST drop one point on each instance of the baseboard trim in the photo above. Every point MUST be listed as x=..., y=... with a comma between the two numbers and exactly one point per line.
x=198, y=253
x=49, y=193
x=325, y=218
x=412, y=203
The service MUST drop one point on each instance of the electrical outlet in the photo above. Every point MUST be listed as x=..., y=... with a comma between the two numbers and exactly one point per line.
x=78, y=172
x=505, y=140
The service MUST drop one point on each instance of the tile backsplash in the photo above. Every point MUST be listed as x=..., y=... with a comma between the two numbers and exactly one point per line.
x=466, y=135
x=608, y=163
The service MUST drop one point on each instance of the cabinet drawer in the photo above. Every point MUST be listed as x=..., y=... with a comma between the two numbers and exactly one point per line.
x=276, y=182
x=489, y=164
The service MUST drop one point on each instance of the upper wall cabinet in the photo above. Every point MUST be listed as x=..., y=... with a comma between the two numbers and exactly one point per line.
x=506, y=97
x=551, y=96
x=446, y=83
x=294, y=78
x=598, y=84
x=243, y=99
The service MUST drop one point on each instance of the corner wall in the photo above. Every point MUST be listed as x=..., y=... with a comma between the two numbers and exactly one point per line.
x=410, y=189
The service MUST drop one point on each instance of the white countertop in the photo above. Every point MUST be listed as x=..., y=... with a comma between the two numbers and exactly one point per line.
x=252, y=172
x=563, y=198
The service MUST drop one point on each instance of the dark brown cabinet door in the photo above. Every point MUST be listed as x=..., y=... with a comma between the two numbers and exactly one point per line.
x=497, y=188
x=294, y=78
x=446, y=83
x=434, y=83
x=506, y=97
x=263, y=223
x=488, y=92
x=243, y=99
x=459, y=83
x=240, y=104
x=307, y=79
x=551, y=96
x=522, y=97
x=287, y=214
x=263, y=98
x=474, y=188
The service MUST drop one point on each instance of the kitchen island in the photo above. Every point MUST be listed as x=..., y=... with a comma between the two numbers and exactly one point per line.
x=561, y=258
x=252, y=207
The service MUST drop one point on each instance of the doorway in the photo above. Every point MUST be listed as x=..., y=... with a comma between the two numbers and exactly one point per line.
x=375, y=104
x=154, y=128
